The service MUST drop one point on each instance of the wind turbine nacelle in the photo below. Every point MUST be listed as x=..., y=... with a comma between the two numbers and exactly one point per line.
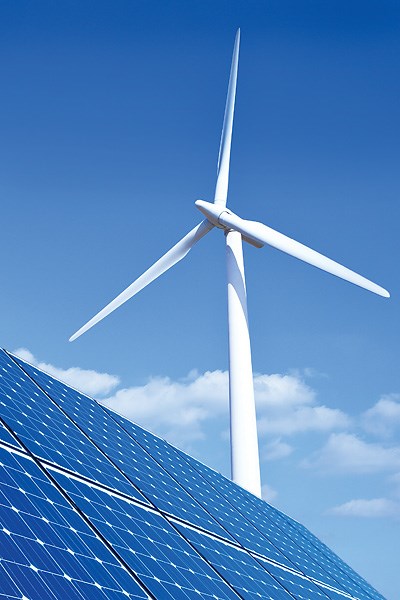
x=225, y=219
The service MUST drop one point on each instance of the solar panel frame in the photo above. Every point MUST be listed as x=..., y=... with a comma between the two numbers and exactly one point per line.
x=30, y=412
x=243, y=571
x=173, y=460
x=45, y=544
x=147, y=541
x=302, y=556
x=134, y=462
x=334, y=562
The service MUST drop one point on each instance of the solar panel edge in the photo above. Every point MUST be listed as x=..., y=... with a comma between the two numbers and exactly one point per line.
x=255, y=499
x=182, y=453
x=93, y=483
x=45, y=472
x=327, y=552
x=65, y=413
x=103, y=408
x=187, y=457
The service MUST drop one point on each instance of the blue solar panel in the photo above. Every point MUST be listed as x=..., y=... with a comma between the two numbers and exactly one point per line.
x=242, y=571
x=125, y=452
x=176, y=464
x=136, y=517
x=5, y=436
x=46, y=548
x=300, y=553
x=341, y=571
x=50, y=434
x=163, y=560
x=300, y=587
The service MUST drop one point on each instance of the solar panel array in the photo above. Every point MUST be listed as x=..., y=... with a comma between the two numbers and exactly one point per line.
x=93, y=506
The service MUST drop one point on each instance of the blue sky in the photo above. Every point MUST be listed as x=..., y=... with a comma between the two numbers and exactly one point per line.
x=111, y=114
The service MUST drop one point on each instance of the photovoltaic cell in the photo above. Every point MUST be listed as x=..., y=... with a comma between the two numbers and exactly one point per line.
x=5, y=435
x=50, y=434
x=350, y=579
x=163, y=560
x=125, y=452
x=300, y=587
x=301, y=555
x=176, y=464
x=47, y=551
x=242, y=571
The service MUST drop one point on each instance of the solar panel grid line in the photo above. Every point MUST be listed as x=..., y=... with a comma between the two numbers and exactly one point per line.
x=238, y=535
x=335, y=565
x=215, y=489
x=299, y=584
x=146, y=566
x=6, y=435
x=9, y=435
x=36, y=375
x=47, y=432
x=145, y=500
x=319, y=583
x=51, y=397
x=207, y=489
x=49, y=564
x=328, y=589
x=246, y=558
x=322, y=548
x=173, y=516
x=173, y=521
x=241, y=494
x=97, y=532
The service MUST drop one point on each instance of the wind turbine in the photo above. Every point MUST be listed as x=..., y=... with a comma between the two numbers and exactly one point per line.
x=245, y=466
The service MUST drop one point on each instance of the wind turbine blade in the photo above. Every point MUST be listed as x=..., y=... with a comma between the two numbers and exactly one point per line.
x=262, y=234
x=221, y=189
x=174, y=255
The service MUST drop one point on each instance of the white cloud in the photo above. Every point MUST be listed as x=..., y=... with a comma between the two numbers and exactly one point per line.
x=287, y=405
x=384, y=417
x=276, y=450
x=179, y=410
x=268, y=493
x=347, y=453
x=196, y=407
x=85, y=380
x=281, y=390
x=175, y=409
x=373, y=508
x=303, y=418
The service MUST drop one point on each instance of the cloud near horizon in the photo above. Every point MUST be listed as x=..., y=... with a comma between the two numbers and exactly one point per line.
x=384, y=417
x=348, y=453
x=285, y=405
x=373, y=508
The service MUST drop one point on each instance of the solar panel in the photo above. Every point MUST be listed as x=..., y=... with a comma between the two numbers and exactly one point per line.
x=124, y=451
x=322, y=564
x=46, y=548
x=94, y=506
x=48, y=433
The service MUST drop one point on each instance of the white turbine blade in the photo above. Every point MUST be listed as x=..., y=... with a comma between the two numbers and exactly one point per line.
x=174, y=255
x=260, y=233
x=221, y=189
